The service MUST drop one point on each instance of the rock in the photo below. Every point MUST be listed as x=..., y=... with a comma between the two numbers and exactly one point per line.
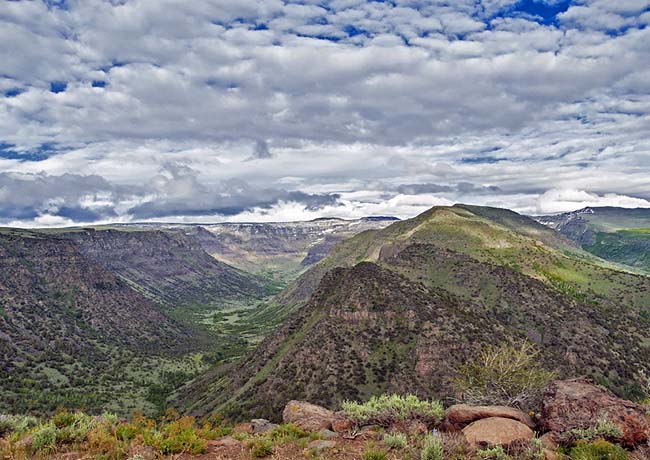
x=548, y=441
x=327, y=434
x=308, y=416
x=319, y=445
x=413, y=427
x=142, y=452
x=496, y=431
x=228, y=441
x=578, y=403
x=461, y=415
x=260, y=425
x=243, y=428
x=340, y=423
x=549, y=454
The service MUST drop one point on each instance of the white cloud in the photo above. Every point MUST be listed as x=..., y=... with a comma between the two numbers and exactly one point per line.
x=557, y=201
x=337, y=97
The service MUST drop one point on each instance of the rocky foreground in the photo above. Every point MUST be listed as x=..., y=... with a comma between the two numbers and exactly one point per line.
x=578, y=421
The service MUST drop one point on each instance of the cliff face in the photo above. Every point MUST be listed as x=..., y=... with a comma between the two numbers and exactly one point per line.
x=169, y=267
x=291, y=245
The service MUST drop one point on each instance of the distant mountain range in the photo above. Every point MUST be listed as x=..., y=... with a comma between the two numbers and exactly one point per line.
x=400, y=308
x=616, y=234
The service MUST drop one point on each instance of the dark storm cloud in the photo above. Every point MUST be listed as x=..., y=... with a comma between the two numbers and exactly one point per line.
x=175, y=192
x=30, y=195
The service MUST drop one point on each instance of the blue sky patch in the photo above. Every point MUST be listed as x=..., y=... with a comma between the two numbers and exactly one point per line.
x=13, y=92
x=58, y=86
x=546, y=11
x=44, y=151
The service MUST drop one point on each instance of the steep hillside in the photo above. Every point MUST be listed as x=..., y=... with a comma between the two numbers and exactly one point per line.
x=69, y=328
x=166, y=266
x=616, y=234
x=400, y=308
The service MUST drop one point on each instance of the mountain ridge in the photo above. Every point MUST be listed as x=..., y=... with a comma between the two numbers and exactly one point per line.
x=473, y=275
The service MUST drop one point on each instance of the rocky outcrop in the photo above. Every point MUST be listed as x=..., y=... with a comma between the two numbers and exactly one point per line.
x=496, y=431
x=460, y=415
x=308, y=416
x=578, y=403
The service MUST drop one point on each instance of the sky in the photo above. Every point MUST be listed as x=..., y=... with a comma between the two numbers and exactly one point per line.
x=277, y=110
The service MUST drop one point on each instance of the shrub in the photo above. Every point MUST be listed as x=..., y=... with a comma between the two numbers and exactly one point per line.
x=63, y=418
x=395, y=440
x=373, y=453
x=181, y=436
x=602, y=429
x=456, y=447
x=17, y=423
x=261, y=448
x=126, y=431
x=432, y=447
x=287, y=433
x=44, y=438
x=598, y=450
x=492, y=453
x=385, y=410
x=507, y=374
x=527, y=450
x=73, y=427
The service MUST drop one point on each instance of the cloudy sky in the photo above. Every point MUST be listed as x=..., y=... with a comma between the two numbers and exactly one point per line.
x=176, y=110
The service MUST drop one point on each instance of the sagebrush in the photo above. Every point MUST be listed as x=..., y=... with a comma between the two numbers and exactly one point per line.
x=386, y=410
x=507, y=374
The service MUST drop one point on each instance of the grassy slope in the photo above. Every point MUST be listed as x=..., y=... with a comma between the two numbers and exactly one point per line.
x=615, y=234
x=548, y=268
x=490, y=235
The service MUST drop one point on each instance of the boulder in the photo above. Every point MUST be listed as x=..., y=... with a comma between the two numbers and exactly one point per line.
x=461, y=415
x=227, y=441
x=578, y=403
x=496, y=431
x=243, y=428
x=548, y=442
x=319, y=445
x=327, y=434
x=308, y=416
x=260, y=425
x=550, y=454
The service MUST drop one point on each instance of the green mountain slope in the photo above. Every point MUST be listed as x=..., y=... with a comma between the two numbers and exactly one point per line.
x=72, y=333
x=400, y=308
x=616, y=234
x=491, y=235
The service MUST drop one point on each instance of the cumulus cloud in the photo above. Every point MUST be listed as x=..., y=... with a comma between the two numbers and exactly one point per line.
x=160, y=104
x=556, y=201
